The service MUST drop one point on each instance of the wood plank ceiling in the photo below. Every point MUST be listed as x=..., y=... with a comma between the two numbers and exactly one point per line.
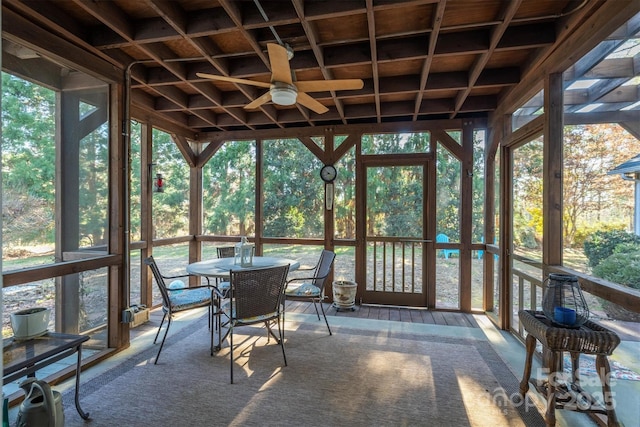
x=419, y=59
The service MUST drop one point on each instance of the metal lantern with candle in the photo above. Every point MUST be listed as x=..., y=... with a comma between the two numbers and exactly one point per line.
x=563, y=302
x=244, y=253
x=158, y=184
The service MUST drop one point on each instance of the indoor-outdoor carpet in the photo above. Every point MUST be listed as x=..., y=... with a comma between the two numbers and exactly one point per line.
x=588, y=368
x=354, y=378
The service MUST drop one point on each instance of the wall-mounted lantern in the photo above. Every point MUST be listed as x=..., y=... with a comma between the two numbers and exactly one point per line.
x=158, y=183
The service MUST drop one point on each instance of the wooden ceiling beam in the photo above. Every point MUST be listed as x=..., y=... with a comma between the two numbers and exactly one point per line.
x=574, y=33
x=602, y=117
x=204, y=23
x=279, y=14
x=436, y=25
x=119, y=23
x=316, y=10
x=19, y=30
x=43, y=71
x=371, y=29
x=232, y=9
x=60, y=22
x=109, y=12
x=318, y=52
x=506, y=14
x=183, y=145
x=527, y=36
x=171, y=122
x=178, y=20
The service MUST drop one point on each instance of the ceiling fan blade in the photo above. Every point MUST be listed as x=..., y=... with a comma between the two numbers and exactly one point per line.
x=325, y=85
x=233, y=80
x=258, y=101
x=280, y=68
x=310, y=103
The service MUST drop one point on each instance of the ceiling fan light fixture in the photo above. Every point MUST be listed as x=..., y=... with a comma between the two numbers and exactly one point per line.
x=283, y=94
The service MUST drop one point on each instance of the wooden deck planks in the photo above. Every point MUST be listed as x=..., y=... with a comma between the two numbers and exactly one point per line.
x=393, y=313
x=396, y=314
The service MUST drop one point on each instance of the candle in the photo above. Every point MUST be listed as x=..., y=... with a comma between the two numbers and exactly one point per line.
x=564, y=316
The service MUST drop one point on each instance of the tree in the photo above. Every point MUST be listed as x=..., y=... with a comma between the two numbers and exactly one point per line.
x=590, y=194
x=448, y=169
x=229, y=190
x=527, y=194
x=170, y=208
x=28, y=153
x=293, y=196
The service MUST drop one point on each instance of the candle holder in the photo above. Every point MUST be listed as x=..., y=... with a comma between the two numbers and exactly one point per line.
x=244, y=253
x=563, y=302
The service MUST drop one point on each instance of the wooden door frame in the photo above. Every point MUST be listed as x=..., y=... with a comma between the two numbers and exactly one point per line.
x=426, y=160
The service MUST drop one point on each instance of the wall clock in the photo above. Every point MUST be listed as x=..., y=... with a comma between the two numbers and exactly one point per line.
x=328, y=173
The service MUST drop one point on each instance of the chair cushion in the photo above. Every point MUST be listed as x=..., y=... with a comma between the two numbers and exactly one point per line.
x=189, y=298
x=226, y=308
x=223, y=286
x=304, y=290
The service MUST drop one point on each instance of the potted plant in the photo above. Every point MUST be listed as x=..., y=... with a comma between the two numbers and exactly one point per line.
x=344, y=294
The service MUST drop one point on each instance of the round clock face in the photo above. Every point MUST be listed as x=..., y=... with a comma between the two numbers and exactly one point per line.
x=328, y=173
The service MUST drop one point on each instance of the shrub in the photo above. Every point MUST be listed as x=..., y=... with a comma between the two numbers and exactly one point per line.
x=602, y=244
x=622, y=267
x=586, y=229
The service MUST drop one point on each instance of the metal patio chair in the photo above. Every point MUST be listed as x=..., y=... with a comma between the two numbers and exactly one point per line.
x=255, y=297
x=177, y=297
x=312, y=287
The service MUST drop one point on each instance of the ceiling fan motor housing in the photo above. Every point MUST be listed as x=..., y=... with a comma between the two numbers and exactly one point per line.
x=283, y=93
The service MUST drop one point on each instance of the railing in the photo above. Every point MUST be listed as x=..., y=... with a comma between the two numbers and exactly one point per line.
x=600, y=294
x=395, y=264
x=523, y=300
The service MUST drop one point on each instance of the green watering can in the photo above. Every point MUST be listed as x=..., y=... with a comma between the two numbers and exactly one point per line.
x=42, y=406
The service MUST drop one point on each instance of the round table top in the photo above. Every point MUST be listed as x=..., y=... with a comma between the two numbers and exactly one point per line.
x=220, y=267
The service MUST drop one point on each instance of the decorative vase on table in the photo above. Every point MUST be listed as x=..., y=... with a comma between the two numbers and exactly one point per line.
x=563, y=302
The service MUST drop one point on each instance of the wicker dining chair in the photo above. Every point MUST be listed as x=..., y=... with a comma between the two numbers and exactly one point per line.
x=312, y=287
x=177, y=297
x=255, y=297
x=226, y=251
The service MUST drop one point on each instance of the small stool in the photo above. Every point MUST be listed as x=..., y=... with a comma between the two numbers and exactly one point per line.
x=590, y=338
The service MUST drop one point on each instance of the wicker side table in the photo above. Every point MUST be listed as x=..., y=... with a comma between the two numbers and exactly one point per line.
x=590, y=338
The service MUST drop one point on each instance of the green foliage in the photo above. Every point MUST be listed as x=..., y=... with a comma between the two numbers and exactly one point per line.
x=229, y=190
x=602, y=244
x=623, y=267
x=448, y=177
x=583, y=231
x=28, y=157
x=388, y=143
x=293, y=191
x=170, y=208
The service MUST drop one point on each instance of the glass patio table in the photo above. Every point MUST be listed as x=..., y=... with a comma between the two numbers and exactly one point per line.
x=24, y=357
x=220, y=267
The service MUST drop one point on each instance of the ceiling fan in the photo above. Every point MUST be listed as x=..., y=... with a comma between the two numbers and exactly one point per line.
x=284, y=89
